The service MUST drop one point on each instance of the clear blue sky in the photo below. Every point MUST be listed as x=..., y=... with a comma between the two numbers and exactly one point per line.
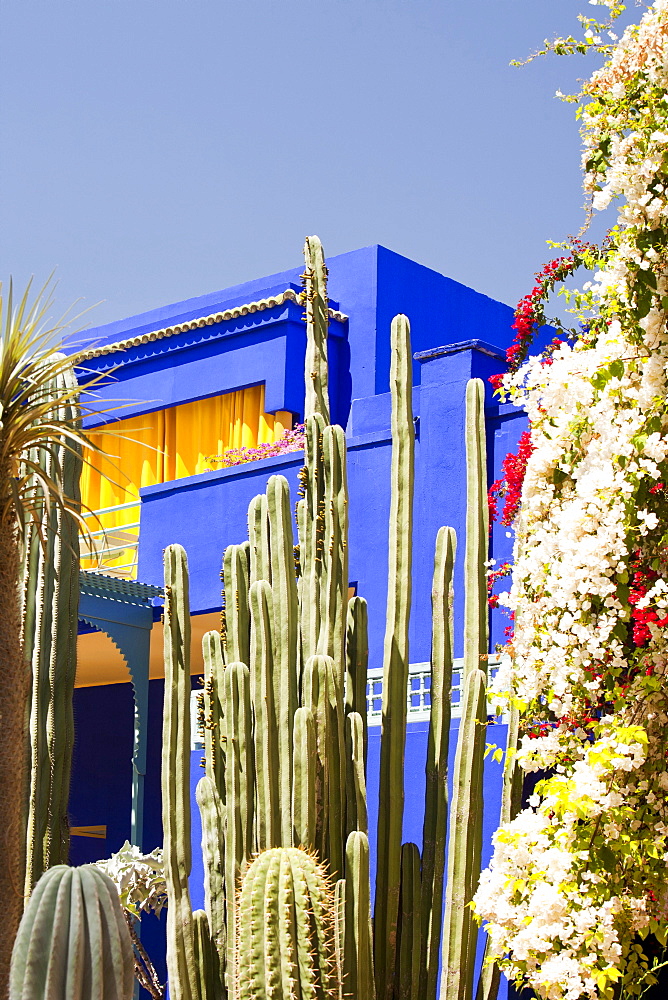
x=157, y=149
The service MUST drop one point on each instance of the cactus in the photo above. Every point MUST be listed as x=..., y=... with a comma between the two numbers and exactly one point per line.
x=268, y=820
x=409, y=952
x=395, y=662
x=436, y=794
x=460, y=931
x=357, y=655
x=286, y=736
x=235, y=586
x=465, y=845
x=240, y=800
x=213, y=839
x=285, y=630
x=184, y=983
x=73, y=940
x=356, y=807
x=317, y=323
x=304, y=779
x=358, y=953
x=286, y=940
x=50, y=602
x=476, y=613
x=340, y=931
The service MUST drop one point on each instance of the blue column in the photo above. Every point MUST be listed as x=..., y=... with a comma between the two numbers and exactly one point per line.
x=129, y=628
x=442, y=496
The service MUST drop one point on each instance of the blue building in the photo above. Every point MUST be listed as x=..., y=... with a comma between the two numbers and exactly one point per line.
x=225, y=370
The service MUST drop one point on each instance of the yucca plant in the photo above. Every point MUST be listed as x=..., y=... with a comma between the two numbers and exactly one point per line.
x=40, y=427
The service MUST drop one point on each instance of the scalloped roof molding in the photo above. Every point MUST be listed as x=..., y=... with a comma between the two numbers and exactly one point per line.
x=289, y=295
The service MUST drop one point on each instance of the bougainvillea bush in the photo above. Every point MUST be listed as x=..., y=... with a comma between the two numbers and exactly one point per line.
x=291, y=440
x=576, y=895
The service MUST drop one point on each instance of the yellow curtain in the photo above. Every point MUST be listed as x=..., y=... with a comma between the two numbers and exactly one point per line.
x=155, y=448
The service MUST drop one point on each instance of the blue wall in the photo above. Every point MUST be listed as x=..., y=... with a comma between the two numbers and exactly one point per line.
x=457, y=334
x=207, y=512
x=369, y=285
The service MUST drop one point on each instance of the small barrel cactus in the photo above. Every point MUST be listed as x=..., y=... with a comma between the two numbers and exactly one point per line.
x=285, y=931
x=73, y=940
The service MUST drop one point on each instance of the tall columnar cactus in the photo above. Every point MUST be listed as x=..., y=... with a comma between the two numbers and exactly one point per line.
x=50, y=599
x=476, y=614
x=395, y=662
x=73, y=940
x=285, y=734
x=436, y=794
x=286, y=944
x=317, y=320
x=182, y=967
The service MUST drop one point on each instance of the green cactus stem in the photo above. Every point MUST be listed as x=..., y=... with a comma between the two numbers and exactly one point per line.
x=73, y=941
x=285, y=631
x=181, y=962
x=395, y=662
x=333, y=601
x=357, y=657
x=317, y=326
x=236, y=571
x=207, y=959
x=436, y=793
x=356, y=805
x=311, y=525
x=258, y=535
x=334, y=589
x=476, y=610
x=410, y=925
x=214, y=713
x=465, y=846
x=464, y=849
x=318, y=677
x=239, y=792
x=50, y=601
x=340, y=932
x=213, y=854
x=265, y=729
x=286, y=930
x=511, y=803
x=358, y=958
x=304, y=780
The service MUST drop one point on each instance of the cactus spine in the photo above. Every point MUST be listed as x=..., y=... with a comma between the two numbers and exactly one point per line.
x=286, y=738
x=73, y=940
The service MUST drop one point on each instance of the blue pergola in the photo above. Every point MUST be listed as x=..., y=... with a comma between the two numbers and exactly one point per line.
x=124, y=610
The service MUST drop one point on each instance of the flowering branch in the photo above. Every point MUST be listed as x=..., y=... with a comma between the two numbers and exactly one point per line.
x=576, y=896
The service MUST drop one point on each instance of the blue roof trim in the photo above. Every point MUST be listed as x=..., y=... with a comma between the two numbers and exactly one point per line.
x=116, y=589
